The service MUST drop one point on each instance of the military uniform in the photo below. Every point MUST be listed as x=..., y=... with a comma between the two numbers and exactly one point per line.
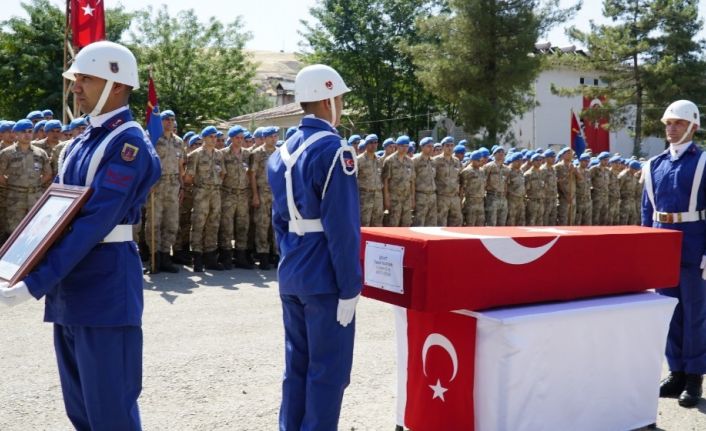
x=566, y=189
x=600, y=183
x=207, y=169
x=370, y=189
x=496, y=193
x=534, y=186
x=399, y=173
x=263, y=213
x=550, y=195
x=448, y=200
x=584, y=207
x=27, y=171
x=515, y=198
x=627, y=183
x=425, y=191
x=235, y=201
x=613, y=198
x=473, y=186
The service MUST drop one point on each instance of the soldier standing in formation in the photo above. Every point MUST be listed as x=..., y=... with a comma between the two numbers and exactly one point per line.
x=566, y=178
x=398, y=185
x=614, y=168
x=496, y=189
x=515, y=192
x=550, y=189
x=628, y=183
x=600, y=181
x=182, y=253
x=472, y=184
x=534, y=186
x=584, y=206
x=262, y=195
x=370, y=184
x=424, y=185
x=448, y=200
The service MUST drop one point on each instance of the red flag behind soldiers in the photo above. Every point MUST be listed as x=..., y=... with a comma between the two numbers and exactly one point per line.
x=87, y=22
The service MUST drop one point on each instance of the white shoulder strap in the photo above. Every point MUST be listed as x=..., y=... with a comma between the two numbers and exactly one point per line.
x=345, y=148
x=697, y=182
x=647, y=175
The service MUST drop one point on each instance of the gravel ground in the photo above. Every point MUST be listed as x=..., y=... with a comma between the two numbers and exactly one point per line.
x=213, y=360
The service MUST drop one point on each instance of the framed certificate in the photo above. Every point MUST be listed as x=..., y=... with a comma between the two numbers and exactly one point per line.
x=40, y=228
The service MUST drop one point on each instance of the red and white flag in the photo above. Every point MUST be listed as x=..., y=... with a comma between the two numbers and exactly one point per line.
x=597, y=136
x=87, y=22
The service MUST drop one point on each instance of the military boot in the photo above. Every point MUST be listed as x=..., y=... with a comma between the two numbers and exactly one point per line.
x=264, y=261
x=182, y=257
x=226, y=258
x=210, y=260
x=198, y=262
x=241, y=260
x=673, y=385
x=692, y=390
x=165, y=263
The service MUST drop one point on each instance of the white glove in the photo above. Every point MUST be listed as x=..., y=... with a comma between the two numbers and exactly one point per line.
x=346, y=310
x=14, y=295
x=703, y=267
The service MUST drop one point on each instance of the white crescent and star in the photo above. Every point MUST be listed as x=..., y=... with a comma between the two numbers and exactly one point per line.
x=503, y=248
x=436, y=339
x=88, y=10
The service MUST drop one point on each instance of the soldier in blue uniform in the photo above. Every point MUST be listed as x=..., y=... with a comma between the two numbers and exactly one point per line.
x=674, y=197
x=315, y=213
x=92, y=277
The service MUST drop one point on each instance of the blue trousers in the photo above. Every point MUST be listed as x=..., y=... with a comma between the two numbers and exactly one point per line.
x=686, y=342
x=101, y=375
x=318, y=361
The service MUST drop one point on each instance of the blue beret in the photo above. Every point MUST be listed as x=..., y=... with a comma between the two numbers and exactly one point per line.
x=497, y=148
x=35, y=115
x=528, y=155
x=549, y=153
x=634, y=164
x=188, y=136
x=484, y=152
x=459, y=149
x=208, y=131
x=539, y=150
x=23, y=125
x=379, y=153
x=52, y=125
x=594, y=161
x=604, y=155
x=235, y=131
x=476, y=155
x=353, y=139
x=81, y=121
x=248, y=135
x=412, y=146
x=462, y=142
x=5, y=126
x=258, y=132
x=219, y=134
x=39, y=126
x=47, y=112
x=437, y=145
x=194, y=140
x=426, y=141
x=167, y=114
x=402, y=140
x=65, y=128
x=269, y=131
x=585, y=156
x=447, y=140
x=371, y=138
x=361, y=145
x=537, y=156
x=388, y=142
x=563, y=151
x=292, y=130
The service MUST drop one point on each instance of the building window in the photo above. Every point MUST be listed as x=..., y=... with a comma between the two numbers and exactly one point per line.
x=581, y=80
x=595, y=82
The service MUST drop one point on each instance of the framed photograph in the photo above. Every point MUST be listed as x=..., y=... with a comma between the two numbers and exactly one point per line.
x=40, y=228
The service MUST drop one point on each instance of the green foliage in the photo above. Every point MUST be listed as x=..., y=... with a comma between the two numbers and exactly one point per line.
x=476, y=56
x=200, y=70
x=362, y=40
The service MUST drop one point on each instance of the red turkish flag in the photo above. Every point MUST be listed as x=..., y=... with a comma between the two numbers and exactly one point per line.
x=87, y=22
x=597, y=137
x=440, y=370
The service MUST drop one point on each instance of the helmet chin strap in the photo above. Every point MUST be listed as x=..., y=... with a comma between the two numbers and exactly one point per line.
x=332, y=101
x=686, y=133
x=104, y=97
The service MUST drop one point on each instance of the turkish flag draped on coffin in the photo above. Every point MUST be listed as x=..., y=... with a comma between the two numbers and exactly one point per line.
x=87, y=22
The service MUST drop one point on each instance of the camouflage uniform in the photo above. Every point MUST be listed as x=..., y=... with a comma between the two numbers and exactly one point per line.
x=515, y=198
x=424, y=191
x=613, y=198
x=448, y=200
x=165, y=195
x=55, y=154
x=183, y=239
x=566, y=190
x=600, y=181
x=534, y=186
x=627, y=183
x=550, y=195
x=370, y=190
x=26, y=173
x=235, y=201
x=639, y=186
x=207, y=169
x=263, y=213
x=400, y=176
x=495, y=196
x=473, y=185
x=583, y=198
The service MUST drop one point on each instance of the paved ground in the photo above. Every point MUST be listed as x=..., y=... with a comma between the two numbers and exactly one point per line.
x=213, y=361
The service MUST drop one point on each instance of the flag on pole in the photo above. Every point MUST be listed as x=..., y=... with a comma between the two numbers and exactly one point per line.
x=153, y=122
x=87, y=22
x=578, y=143
x=597, y=136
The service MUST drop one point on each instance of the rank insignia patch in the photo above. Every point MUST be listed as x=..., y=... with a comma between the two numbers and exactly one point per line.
x=129, y=152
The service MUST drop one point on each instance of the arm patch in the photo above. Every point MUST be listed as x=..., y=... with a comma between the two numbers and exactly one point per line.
x=118, y=178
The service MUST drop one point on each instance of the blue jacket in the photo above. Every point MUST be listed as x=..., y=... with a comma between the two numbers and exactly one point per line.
x=320, y=262
x=86, y=282
x=672, y=182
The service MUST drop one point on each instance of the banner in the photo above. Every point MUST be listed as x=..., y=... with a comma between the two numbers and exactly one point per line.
x=153, y=122
x=578, y=142
x=87, y=22
x=597, y=137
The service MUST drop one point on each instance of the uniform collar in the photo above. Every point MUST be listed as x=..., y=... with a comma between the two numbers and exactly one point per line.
x=676, y=151
x=316, y=122
x=118, y=117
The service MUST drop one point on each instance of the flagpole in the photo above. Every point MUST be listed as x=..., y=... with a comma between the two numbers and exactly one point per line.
x=153, y=252
x=64, y=90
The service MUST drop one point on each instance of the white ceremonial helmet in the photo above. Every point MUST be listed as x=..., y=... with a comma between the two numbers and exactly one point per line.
x=107, y=60
x=319, y=82
x=683, y=110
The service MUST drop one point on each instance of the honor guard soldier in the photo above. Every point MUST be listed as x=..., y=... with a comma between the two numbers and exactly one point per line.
x=370, y=184
x=566, y=178
x=496, y=189
x=628, y=183
x=534, y=187
x=615, y=166
x=448, y=171
x=600, y=183
x=262, y=195
x=92, y=276
x=235, y=202
x=398, y=185
x=584, y=206
x=472, y=184
x=205, y=170
x=24, y=171
x=424, y=185
x=675, y=198
x=166, y=193
x=316, y=218
x=515, y=192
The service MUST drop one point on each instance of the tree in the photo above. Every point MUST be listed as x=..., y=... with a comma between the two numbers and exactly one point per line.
x=200, y=70
x=362, y=40
x=477, y=56
x=32, y=57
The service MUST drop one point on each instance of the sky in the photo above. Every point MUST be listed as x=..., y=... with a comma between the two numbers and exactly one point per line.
x=274, y=24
